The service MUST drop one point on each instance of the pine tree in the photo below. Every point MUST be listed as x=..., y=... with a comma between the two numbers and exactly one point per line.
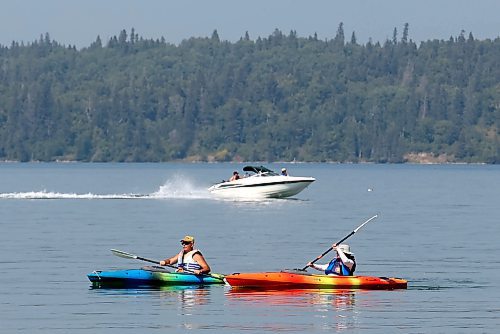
x=339, y=39
x=404, y=39
x=353, y=38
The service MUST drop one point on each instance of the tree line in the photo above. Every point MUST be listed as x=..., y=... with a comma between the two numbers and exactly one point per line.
x=277, y=98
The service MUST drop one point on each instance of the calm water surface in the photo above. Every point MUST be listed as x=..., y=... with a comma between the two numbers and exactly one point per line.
x=438, y=227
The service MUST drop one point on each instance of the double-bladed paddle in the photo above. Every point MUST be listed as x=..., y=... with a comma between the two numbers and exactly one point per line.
x=135, y=257
x=339, y=242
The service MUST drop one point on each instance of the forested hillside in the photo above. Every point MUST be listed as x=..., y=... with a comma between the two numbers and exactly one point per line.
x=280, y=98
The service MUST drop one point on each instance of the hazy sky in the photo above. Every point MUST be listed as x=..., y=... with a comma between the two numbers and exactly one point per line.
x=78, y=22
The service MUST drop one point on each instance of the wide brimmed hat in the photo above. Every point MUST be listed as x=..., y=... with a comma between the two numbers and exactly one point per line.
x=345, y=248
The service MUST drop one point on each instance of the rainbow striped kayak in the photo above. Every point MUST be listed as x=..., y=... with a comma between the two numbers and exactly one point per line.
x=151, y=276
x=304, y=280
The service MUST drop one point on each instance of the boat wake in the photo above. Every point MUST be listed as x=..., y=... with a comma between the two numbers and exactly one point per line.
x=56, y=195
x=180, y=188
x=177, y=188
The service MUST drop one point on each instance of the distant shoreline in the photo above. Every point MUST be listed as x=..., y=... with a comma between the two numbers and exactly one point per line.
x=422, y=161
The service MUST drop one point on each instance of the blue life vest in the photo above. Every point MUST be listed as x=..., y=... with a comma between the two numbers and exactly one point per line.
x=337, y=267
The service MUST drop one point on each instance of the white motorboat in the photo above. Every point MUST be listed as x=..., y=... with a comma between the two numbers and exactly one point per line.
x=261, y=182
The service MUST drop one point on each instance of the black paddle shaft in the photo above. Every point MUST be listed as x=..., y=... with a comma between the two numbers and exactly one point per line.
x=329, y=250
x=147, y=260
x=165, y=265
x=339, y=242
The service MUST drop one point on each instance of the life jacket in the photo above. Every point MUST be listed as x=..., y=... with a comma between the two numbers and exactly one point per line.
x=337, y=267
x=186, y=261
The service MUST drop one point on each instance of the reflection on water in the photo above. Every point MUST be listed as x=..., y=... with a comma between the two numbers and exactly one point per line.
x=341, y=299
x=186, y=298
x=330, y=308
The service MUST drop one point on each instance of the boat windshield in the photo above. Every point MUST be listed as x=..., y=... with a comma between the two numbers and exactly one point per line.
x=261, y=170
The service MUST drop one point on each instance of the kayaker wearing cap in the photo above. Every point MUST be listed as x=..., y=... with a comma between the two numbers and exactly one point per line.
x=343, y=264
x=188, y=259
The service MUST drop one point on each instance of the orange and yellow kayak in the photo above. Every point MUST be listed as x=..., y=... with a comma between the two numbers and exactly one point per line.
x=304, y=280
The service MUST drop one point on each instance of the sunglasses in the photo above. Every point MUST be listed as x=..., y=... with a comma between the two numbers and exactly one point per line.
x=185, y=243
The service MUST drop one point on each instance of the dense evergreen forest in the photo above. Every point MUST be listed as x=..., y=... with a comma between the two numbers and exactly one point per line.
x=280, y=98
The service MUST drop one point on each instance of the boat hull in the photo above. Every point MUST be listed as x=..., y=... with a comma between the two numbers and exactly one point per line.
x=279, y=187
x=150, y=277
x=297, y=280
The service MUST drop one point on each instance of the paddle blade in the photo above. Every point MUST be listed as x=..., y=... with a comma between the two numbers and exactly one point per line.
x=217, y=276
x=123, y=254
x=366, y=222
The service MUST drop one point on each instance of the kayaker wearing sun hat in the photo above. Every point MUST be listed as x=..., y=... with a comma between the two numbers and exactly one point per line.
x=343, y=264
x=188, y=259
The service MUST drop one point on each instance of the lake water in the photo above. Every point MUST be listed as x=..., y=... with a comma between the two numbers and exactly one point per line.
x=438, y=227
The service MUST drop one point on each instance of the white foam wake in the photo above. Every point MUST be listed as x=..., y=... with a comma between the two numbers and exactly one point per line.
x=56, y=195
x=180, y=187
x=177, y=187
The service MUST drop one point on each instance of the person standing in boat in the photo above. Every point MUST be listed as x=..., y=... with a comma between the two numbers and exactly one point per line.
x=284, y=172
x=343, y=264
x=189, y=259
